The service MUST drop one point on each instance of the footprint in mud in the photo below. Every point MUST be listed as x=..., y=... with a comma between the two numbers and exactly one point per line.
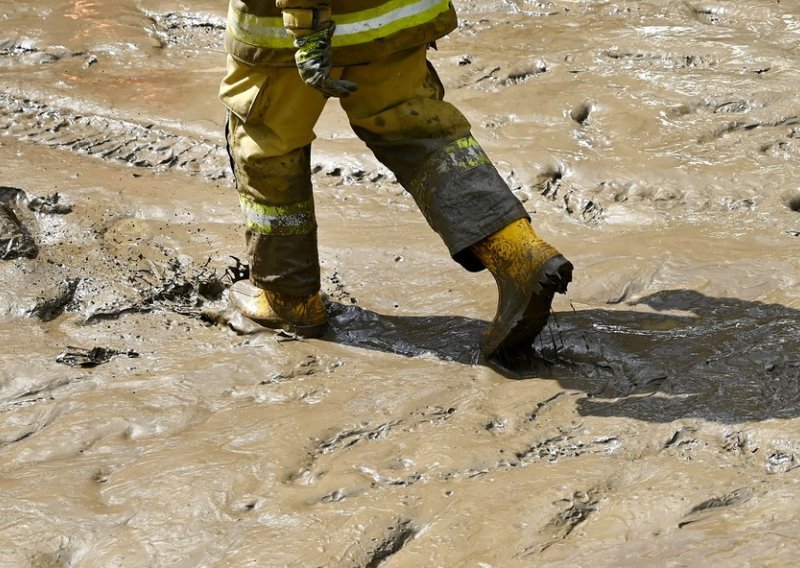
x=393, y=541
x=748, y=126
x=551, y=184
x=715, y=506
x=577, y=509
x=581, y=112
x=791, y=198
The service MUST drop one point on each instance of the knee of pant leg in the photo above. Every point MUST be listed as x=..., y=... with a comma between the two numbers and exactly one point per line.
x=275, y=180
x=417, y=118
x=401, y=98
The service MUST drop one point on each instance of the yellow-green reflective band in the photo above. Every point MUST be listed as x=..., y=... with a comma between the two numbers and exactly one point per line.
x=260, y=31
x=351, y=28
x=293, y=219
x=385, y=20
x=462, y=154
x=450, y=161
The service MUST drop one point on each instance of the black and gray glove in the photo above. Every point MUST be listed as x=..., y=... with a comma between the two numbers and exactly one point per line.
x=313, y=59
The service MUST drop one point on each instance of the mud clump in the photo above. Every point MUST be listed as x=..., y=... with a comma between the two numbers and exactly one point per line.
x=15, y=239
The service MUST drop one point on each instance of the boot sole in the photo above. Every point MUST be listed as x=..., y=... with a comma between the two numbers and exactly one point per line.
x=554, y=277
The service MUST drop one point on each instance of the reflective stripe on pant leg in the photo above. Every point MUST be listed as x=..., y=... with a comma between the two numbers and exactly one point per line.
x=293, y=219
x=282, y=246
x=281, y=228
x=272, y=115
x=275, y=196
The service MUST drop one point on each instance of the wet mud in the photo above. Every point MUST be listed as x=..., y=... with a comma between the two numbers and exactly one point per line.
x=656, y=421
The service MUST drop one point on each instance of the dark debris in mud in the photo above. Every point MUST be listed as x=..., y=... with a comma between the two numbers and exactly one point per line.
x=51, y=204
x=170, y=285
x=782, y=462
x=24, y=52
x=54, y=301
x=80, y=357
x=666, y=61
x=199, y=31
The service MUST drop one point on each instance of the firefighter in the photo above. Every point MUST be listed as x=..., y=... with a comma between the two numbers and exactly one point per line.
x=285, y=59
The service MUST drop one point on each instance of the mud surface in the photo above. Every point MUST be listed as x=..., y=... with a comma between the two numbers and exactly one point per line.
x=143, y=424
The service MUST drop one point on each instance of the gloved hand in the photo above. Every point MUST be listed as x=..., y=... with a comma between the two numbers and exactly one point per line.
x=313, y=59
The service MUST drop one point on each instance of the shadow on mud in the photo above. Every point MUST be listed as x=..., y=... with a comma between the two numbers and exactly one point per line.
x=675, y=354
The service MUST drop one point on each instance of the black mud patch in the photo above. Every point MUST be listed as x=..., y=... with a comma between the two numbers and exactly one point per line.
x=80, y=357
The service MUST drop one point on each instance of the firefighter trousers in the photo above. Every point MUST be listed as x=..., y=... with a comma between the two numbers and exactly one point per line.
x=399, y=112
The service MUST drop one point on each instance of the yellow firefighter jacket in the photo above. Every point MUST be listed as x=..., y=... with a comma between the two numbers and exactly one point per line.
x=365, y=29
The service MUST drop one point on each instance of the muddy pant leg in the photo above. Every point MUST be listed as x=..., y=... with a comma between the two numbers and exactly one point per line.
x=400, y=113
x=270, y=129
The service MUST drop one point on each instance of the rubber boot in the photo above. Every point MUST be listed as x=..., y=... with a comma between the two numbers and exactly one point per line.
x=528, y=272
x=304, y=316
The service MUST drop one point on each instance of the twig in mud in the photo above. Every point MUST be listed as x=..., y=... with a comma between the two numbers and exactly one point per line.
x=239, y=271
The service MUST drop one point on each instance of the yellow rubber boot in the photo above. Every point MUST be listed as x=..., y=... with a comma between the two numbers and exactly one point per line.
x=528, y=272
x=302, y=315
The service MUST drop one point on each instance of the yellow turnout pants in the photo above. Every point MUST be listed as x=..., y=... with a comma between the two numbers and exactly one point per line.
x=400, y=113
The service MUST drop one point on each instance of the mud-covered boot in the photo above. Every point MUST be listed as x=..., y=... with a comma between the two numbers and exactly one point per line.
x=528, y=272
x=302, y=315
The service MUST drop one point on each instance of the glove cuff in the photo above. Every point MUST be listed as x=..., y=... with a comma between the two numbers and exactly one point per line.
x=304, y=21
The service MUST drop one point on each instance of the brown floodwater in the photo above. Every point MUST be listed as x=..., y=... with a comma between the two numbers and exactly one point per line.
x=142, y=424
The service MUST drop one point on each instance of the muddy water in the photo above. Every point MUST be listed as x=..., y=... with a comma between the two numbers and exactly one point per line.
x=142, y=424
